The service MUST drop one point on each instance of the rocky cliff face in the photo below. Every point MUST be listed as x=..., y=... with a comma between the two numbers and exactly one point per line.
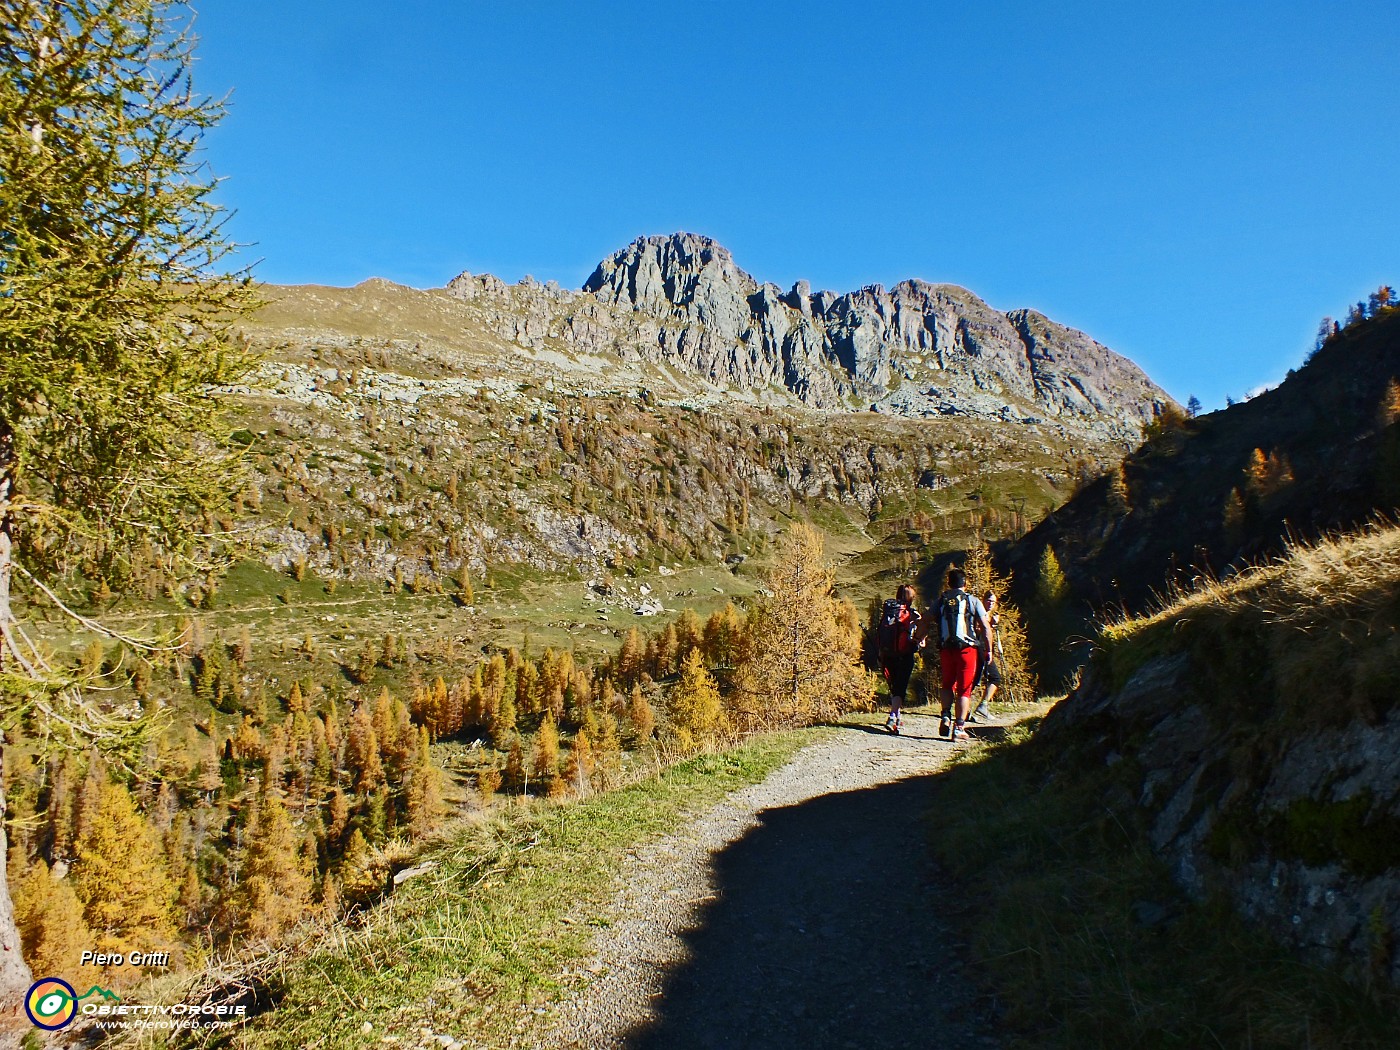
x=918, y=349
x=1300, y=831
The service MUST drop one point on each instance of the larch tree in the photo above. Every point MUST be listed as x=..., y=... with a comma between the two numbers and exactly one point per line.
x=114, y=336
x=609, y=752
x=1051, y=588
x=723, y=640
x=514, y=773
x=641, y=716
x=423, y=792
x=1388, y=411
x=1232, y=516
x=121, y=879
x=544, y=760
x=1387, y=468
x=1018, y=677
x=697, y=712
x=274, y=887
x=630, y=656
x=1052, y=620
x=50, y=920
x=803, y=658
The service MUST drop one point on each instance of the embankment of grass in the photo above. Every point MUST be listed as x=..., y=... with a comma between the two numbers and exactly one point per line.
x=1084, y=940
x=464, y=949
x=1280, y=627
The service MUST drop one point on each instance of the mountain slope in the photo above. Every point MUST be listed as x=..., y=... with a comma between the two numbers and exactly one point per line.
x=1321, y=452
x=674, y=410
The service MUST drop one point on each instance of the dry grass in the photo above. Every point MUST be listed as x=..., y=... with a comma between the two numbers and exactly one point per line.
x=1270, y=638
x=1358, y=573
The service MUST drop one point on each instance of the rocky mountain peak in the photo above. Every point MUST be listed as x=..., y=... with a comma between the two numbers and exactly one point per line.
x=684, y=275
x=916, y=349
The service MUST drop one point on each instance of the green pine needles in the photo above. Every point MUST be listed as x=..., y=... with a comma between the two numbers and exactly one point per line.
x=114, y=337
x=114, y=317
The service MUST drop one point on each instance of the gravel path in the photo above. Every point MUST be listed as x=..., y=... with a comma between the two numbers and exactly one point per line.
x=800, y=912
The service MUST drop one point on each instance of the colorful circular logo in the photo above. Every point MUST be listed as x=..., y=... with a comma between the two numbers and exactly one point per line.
x=51, y=1003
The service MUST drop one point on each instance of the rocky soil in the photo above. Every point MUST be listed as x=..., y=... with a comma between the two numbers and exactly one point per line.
x=801, y=912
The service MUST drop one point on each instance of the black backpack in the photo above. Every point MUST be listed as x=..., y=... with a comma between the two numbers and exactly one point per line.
x=896, y=631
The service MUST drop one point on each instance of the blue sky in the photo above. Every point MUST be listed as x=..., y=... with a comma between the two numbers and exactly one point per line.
x=1194, y=185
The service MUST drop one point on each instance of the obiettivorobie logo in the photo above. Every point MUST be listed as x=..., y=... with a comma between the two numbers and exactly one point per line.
x=52, y=1004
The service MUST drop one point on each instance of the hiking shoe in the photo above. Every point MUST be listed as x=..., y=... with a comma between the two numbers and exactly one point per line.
x=945, y=726
x=982, y=713
x=959, y=732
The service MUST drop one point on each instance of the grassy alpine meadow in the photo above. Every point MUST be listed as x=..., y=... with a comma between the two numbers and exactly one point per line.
x=464, y=949
x=1084, y=940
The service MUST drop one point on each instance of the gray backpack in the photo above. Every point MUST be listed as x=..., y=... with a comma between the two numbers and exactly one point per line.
x=956, y=621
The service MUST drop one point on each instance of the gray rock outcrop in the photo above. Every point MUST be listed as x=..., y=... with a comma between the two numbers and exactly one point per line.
x=918, y=349
x=1304, y=845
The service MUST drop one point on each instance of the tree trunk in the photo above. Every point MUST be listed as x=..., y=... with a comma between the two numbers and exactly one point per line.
x=14, y=973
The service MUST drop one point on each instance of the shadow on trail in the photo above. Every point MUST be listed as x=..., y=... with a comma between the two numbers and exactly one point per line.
x=823, y=932
x=921, y=726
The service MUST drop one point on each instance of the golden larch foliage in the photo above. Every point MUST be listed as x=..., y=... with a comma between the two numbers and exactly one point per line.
x=50, y=920
x=121, y=879
x=1013, y=657
x=803, y=659
x=640, y=714
x=514, y=772
x=1389, y=409
x=697, y=712
x=274, y=888
x=424, y=791
x=1051, y=587
x=544, y=760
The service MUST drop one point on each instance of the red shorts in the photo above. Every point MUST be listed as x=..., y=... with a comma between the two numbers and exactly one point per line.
x=959, y=667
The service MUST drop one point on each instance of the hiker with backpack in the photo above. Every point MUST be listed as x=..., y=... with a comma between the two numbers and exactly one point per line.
x=963, y=628
x=988, y=671
x=898, y=633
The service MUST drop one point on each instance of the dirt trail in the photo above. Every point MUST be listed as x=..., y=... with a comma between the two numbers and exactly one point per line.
x=801, y=912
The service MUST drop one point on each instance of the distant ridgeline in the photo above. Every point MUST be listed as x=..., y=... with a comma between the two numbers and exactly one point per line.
x=918, y=349
x=1319, y=453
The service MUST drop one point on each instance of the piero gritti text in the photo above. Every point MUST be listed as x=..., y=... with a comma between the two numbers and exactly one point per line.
x=125, y=959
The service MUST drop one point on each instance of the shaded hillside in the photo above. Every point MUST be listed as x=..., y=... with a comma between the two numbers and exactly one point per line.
x=1208, y=495
x=1263, y=765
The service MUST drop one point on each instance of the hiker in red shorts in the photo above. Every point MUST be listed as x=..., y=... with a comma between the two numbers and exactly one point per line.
x=963, y=628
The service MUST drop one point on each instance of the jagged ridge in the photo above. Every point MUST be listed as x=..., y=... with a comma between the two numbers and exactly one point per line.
x=918, y=349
